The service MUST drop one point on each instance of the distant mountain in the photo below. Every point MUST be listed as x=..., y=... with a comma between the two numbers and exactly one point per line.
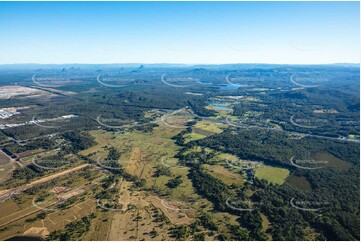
x=198, y=71
x=140, y=67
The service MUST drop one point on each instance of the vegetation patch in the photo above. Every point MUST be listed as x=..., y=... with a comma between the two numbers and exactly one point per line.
x=299, y=182
x=193, y=136
x=272, y=174
x=210, y=126
x=331, y=161
x=228, y=177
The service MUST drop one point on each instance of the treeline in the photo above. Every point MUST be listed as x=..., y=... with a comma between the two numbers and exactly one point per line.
x=341, y=115
x=199, y=108
x=74, y=230
x=337, y=187
x=78, y=141
x=276, y=147
x=220, y=194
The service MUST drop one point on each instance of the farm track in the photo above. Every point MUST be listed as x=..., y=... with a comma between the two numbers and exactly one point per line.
x=6, y=194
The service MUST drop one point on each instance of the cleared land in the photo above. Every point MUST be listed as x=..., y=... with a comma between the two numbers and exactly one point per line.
x=225, y=175
x=332, y=161
x=299, y=182
x=272, y=174
x=210, y=126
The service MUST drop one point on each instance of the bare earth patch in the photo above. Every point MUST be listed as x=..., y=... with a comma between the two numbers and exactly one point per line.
x=37, y=231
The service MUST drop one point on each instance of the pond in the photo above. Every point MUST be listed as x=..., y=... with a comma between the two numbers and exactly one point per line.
x=226, y=87
x=220, y=106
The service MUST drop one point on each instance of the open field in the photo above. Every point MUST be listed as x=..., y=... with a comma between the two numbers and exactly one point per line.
x=6, y=167
x=272, y=174
x=7, y=92
x=224, y=175
x=332, y=161
x=54, y=220
x=45, y=211
x=210, y=126
x=184, y=172
x=265, y=226
x=4, y=158
x=193, y=136
x=140, y=154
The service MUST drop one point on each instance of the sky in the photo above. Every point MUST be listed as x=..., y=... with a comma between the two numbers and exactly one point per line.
x=180, y=32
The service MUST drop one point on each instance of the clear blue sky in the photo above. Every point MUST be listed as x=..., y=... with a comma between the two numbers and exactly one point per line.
x=179, y=32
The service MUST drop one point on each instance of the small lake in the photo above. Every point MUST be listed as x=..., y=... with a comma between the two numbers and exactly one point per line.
x=220, y=106
x=226, y=87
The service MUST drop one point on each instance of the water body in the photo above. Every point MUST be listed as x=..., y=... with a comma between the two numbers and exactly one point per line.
x=220, y=106
x=226, y=87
